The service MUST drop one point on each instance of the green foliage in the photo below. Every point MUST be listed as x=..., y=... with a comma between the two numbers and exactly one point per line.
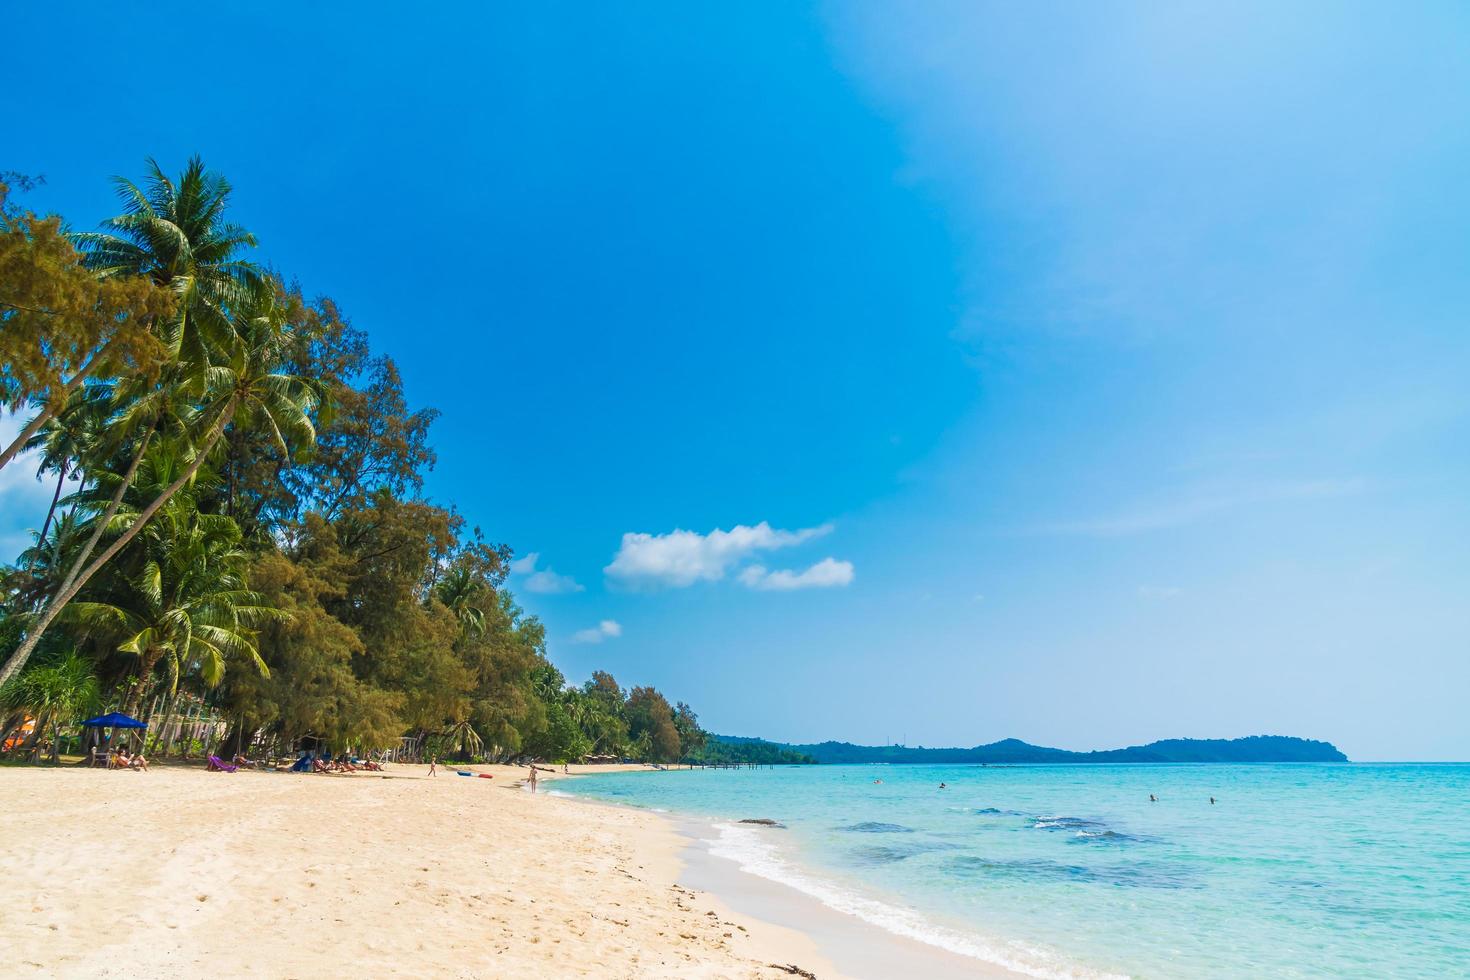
x=60, y=323
x=58, y=693
x=725, y=749
x=250, y=526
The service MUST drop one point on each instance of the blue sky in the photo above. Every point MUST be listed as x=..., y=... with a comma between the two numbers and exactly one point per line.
x=1083, y=373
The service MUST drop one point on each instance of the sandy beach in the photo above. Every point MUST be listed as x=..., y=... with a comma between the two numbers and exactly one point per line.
x=182, y=873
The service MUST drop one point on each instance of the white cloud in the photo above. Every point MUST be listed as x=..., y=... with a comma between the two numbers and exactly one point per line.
x=543, y=581
x=681, y=558
x=603, y=630
x=825, y=574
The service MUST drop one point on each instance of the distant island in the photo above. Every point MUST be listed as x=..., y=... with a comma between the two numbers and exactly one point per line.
x=1255, y=748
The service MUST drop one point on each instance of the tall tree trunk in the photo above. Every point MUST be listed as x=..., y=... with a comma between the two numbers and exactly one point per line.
x=76, y=581
x=47, y=411
x=55, y=497
x=146, y=663
x=33, y=637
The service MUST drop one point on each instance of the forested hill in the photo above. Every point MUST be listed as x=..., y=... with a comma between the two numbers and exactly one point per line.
x=1256, y=748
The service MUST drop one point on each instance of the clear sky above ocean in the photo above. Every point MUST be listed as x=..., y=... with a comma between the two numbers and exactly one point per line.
x=1083, y=373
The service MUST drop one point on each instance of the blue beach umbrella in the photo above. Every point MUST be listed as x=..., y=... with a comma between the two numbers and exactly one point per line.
x=115, y=719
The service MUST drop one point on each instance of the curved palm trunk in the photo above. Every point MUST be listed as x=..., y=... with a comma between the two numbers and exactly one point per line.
x=55, y=498
x=46, y=412
x=76, y=580
x=146, y=663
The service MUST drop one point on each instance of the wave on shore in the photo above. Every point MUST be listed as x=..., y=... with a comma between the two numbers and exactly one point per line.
x=755, y=851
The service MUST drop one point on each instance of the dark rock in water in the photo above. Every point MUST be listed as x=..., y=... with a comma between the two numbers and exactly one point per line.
x=1101, y=837
x=873, y=827
x=1133, y=875
x=763, y=822
x=1067, y=823
x=898, y=851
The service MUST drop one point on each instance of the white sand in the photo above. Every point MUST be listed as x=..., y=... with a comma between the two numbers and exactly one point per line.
x=183, y=873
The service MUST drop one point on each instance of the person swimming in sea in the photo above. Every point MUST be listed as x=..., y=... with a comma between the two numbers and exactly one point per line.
x=1152, y=798
x=942, y=786
x=1212, y=801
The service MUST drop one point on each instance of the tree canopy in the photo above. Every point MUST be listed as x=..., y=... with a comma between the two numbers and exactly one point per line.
x=248, y=527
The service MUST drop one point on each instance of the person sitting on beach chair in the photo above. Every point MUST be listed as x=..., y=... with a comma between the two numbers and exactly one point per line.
x=245, y=763
x=372, y=766
x=317, y=765
x=138, y=762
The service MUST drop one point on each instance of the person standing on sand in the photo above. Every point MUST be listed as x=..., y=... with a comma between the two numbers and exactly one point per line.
x=434, y=766
x=533, y=777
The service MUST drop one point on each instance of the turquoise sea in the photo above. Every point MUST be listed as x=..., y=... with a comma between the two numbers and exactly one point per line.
x=1304, y=870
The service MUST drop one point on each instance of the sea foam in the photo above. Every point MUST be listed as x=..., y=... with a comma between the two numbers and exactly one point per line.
x=756, y=851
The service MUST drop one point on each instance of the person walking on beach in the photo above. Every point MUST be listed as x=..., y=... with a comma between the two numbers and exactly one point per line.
x=533, y=777
x=434, y=765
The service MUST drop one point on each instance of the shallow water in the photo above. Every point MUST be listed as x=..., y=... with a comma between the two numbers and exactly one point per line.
x=1296, y=871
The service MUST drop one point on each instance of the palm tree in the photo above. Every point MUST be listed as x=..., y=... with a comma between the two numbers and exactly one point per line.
x=174, y=232
x=460, y=590
x=67, y=438
x=56, y=694
x=246, y=388
x=186, y=605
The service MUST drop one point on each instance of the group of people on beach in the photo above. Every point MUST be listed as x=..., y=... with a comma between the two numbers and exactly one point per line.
x=345, y=765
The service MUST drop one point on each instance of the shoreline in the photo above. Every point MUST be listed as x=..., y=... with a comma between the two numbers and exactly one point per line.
x=855, y=947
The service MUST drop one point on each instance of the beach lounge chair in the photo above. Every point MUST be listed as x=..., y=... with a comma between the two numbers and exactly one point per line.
x=216, y=764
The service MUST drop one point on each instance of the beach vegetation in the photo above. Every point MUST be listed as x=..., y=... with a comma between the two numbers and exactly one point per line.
x=239, y=545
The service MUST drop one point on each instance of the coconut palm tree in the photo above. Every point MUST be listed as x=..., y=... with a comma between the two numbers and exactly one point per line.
x=186, y=604
x=461, y=591
x=69, y=437
x=174, y=232
x=245, y=387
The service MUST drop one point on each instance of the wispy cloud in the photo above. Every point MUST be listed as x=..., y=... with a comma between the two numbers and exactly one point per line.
x=681, y=558
x=1159, y=591
x=543, y=581
x=825, y=574
x=1196, y=505
x=606, y=629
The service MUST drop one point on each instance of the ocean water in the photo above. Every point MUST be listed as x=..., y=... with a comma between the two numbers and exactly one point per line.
x=1332, y=870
